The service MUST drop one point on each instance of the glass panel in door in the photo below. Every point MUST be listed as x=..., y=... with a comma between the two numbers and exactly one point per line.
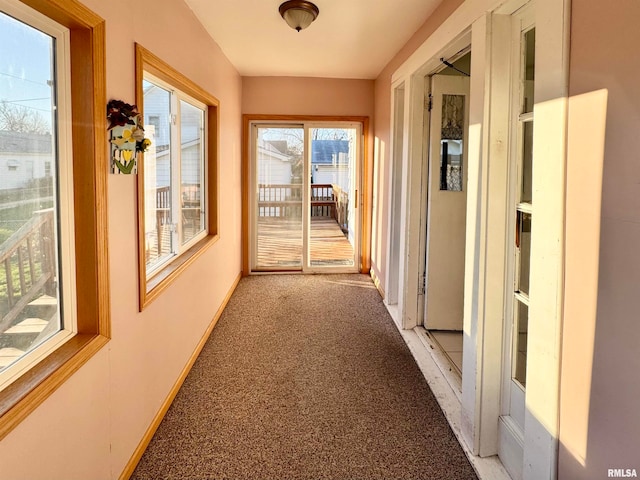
x=524, y=214
x=279, y=197
x=333, y=229
x=522, y=209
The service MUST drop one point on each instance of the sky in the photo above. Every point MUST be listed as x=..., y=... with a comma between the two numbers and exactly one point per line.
x=25, y=66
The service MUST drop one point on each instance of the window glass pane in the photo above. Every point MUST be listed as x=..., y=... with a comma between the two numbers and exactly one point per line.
x=526, y=191
x=529, y=69
x=157, y=175
x=333, y=167
x=30, y=310
x=524, y=244
x=191, y=170
x=451, y=149
x=279, y=156
x=522, y=322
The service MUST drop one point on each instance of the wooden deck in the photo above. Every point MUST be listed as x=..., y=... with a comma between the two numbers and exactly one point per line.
x=280, y=243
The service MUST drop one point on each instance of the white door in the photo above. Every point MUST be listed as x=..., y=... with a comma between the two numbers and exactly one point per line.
x=520, y=211
x=447, y=203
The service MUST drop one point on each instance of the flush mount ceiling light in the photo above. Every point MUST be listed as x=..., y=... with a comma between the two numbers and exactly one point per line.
x=298, y=13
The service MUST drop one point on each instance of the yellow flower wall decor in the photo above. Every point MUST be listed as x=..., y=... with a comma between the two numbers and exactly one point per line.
x=126, y=136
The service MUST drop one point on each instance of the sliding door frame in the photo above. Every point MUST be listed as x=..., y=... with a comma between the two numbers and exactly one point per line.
x=253, y=207
x=364, y=200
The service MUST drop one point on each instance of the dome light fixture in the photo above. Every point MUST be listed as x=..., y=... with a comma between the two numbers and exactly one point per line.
x=298, y=14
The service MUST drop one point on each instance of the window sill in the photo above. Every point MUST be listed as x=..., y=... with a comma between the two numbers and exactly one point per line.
x=167, y=275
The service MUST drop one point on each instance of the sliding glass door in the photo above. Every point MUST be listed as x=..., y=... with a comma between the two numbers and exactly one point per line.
x=278, y=240
x=305, y=212
x=333, y=209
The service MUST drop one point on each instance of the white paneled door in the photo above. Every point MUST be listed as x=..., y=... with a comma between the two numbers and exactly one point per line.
x=447, y=202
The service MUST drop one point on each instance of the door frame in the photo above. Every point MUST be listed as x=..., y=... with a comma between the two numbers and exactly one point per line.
x=479, y=23
x=397, y=166
x=309, y=126
x=414, y=168
x=254, y=173
x=364, y=201
x=513, y=396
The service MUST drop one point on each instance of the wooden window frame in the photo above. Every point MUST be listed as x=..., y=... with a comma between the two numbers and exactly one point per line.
x=90, y=166
x=177, y=97
x=151, y=288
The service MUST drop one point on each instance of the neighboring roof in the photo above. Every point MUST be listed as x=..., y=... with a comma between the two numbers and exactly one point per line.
x=324, y=152
x=280, y=145
x=266, y=147
x=14, y=142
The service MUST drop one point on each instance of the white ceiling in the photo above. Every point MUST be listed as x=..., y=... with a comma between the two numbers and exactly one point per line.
x=349, y=39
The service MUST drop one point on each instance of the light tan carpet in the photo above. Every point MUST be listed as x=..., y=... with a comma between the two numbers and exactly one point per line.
x=305, y=377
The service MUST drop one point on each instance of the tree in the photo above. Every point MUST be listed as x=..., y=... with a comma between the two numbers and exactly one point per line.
x=330, y=134
x=21, y=119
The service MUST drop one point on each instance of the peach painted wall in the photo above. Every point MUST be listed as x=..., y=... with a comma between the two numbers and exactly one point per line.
x=600, y=407
x=307, y=96
x=90, y=427
x=382, y=134
x=311, y=96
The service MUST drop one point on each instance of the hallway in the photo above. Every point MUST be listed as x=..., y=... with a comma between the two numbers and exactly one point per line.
x=305, y=377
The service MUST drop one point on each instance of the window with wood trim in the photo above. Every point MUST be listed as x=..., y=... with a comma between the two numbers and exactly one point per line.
x=177, y=191
x=54, y=296
x=36, y=210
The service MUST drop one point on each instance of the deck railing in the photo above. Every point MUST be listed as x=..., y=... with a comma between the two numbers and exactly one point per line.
x=285, y=200
x=27, y=258
x=323, y=202
x=280, y=200
x=342, y=208
x=190, y=194
x=163, y=220
x=191, y=208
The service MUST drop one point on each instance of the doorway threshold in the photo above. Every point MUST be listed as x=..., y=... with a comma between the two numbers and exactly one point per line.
x=441, y=359
x=449, y=398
